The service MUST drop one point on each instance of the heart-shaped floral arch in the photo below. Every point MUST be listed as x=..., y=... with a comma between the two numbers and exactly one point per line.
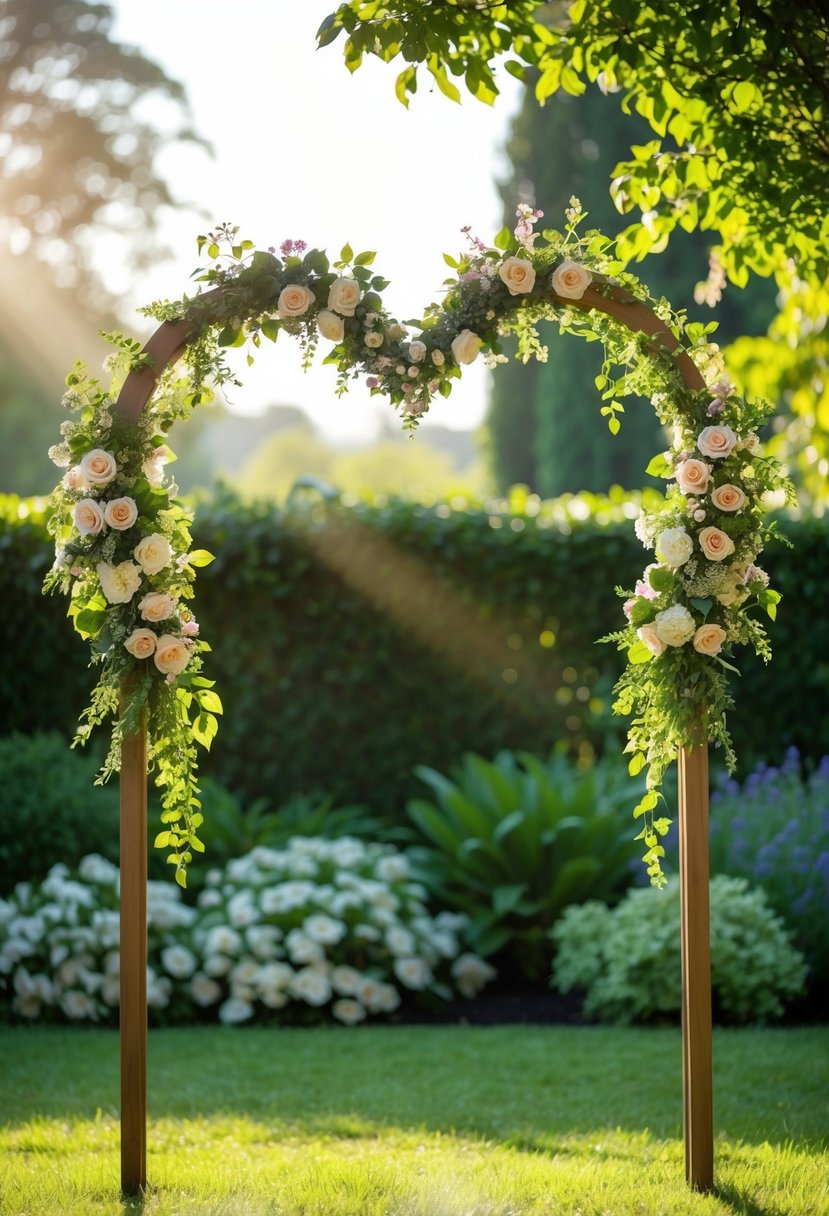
x=124, y=551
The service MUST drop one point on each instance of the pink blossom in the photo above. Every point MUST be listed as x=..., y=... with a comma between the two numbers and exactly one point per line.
x=76, y=571
x=627, y=607
x=643, y=586
x=190, y=628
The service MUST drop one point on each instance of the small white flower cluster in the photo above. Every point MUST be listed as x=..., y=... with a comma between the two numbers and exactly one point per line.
x=336, y=926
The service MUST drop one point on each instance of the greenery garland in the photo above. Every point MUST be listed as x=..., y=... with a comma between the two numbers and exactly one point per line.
x=123, y=548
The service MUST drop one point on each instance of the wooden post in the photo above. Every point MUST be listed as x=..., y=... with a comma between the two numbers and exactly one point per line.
x=697, y=1093
x=134, y=961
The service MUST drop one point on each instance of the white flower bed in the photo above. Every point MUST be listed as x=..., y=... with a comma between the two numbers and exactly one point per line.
x=332, y=926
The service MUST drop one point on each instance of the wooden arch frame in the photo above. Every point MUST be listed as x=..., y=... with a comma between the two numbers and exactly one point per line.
x=164, y=348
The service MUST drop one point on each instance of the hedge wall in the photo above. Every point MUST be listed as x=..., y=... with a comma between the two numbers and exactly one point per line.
x=352, y=642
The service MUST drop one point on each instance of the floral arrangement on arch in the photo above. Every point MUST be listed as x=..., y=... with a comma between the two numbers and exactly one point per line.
x=123, y=546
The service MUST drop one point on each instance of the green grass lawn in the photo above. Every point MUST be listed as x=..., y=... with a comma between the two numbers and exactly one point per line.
x=426, y=1121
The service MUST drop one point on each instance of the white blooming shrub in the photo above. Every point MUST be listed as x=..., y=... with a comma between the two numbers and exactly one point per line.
x=318, y=928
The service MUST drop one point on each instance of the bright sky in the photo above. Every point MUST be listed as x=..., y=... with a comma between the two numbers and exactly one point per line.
x=305, y=150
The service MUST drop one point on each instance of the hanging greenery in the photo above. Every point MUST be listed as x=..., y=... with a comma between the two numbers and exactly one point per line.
x=123, y=546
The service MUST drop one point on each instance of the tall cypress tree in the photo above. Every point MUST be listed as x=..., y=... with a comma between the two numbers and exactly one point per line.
x=544, y=425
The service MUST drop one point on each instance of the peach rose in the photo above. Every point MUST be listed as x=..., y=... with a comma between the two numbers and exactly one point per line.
x=648, y=635
x=88, y=516
x=330, y=325
x=716, y=441
x=518, y=274
x=692, y=476
x=708, y=639
x=728, y=498
x=141, y=643
x=715, y=544
x=294, y=300
x=153, y=553
x=172, y=654
x=157, y=606
x=120, y=513
x=570, y=280
x=344, y=296
x=98, y=467
x=466, y=345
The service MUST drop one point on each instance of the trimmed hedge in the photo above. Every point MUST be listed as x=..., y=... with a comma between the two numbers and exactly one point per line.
x=352, y=642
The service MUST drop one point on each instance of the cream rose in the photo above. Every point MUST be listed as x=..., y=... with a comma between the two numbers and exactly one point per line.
x=157, y=606
x=570, y=280
x=98, y=467
x=120, y=513
x=119, y=583
x=715, y=544
x=438, y=358
x=648, y=635
x=153, y=553
x=330, y=325
x=708, y=639
x=374, y=339
x=88, y=516
x=674, y=626
x=294, y=300
x=692, y=476
x=417, y=351
x=344, y=296
x=716, y=441
x=466, y=345
x=674, y=546
x=141, y=643
x=728, y=498
x=518, y=274
x=172, y=654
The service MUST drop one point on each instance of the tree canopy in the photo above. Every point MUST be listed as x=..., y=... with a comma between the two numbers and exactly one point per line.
x=734, y=91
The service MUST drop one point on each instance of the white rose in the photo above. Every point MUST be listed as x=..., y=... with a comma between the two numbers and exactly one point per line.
x=119, y=583
x=294, y=300
x=88, y=516
x=648, y=635
x=374, y=339
x=417, y=351
x=674, y=626
x=692, y=476
x=570, y=280
x=716, y=442
x=98, y=467
x=172, y=654
x=708, y=639
x=330, y=325
x=156, y=606
x=141, y=643
x=726, y=498
x=344, y=296
x=348, y=1011
x=120, y=513
x=674, y=546
x=715, y=544
x=466, y=345
x=518, y=274
x=153, y=553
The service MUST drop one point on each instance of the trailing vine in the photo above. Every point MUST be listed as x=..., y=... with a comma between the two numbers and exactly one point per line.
x=124, y=549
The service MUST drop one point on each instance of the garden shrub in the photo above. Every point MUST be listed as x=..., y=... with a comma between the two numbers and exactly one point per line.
x=628, y=958
x=355, y=641
x=51, y=810
x=318, y=928
x=774, y=830
x=514, y=841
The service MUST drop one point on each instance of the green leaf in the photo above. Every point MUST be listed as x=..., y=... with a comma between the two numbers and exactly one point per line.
x=162, y=840
x=346, y=253
x=200, y=557
x=364, y=259
x=637, y=763
x=702, y=606
x=209, y=701
x=504, y=239
x=505, y=898
x=639, y=653
x=661, y=579
x=660, y=466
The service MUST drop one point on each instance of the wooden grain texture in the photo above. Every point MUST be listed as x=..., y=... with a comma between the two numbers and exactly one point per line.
x=697, y=1063
x=134, y=961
